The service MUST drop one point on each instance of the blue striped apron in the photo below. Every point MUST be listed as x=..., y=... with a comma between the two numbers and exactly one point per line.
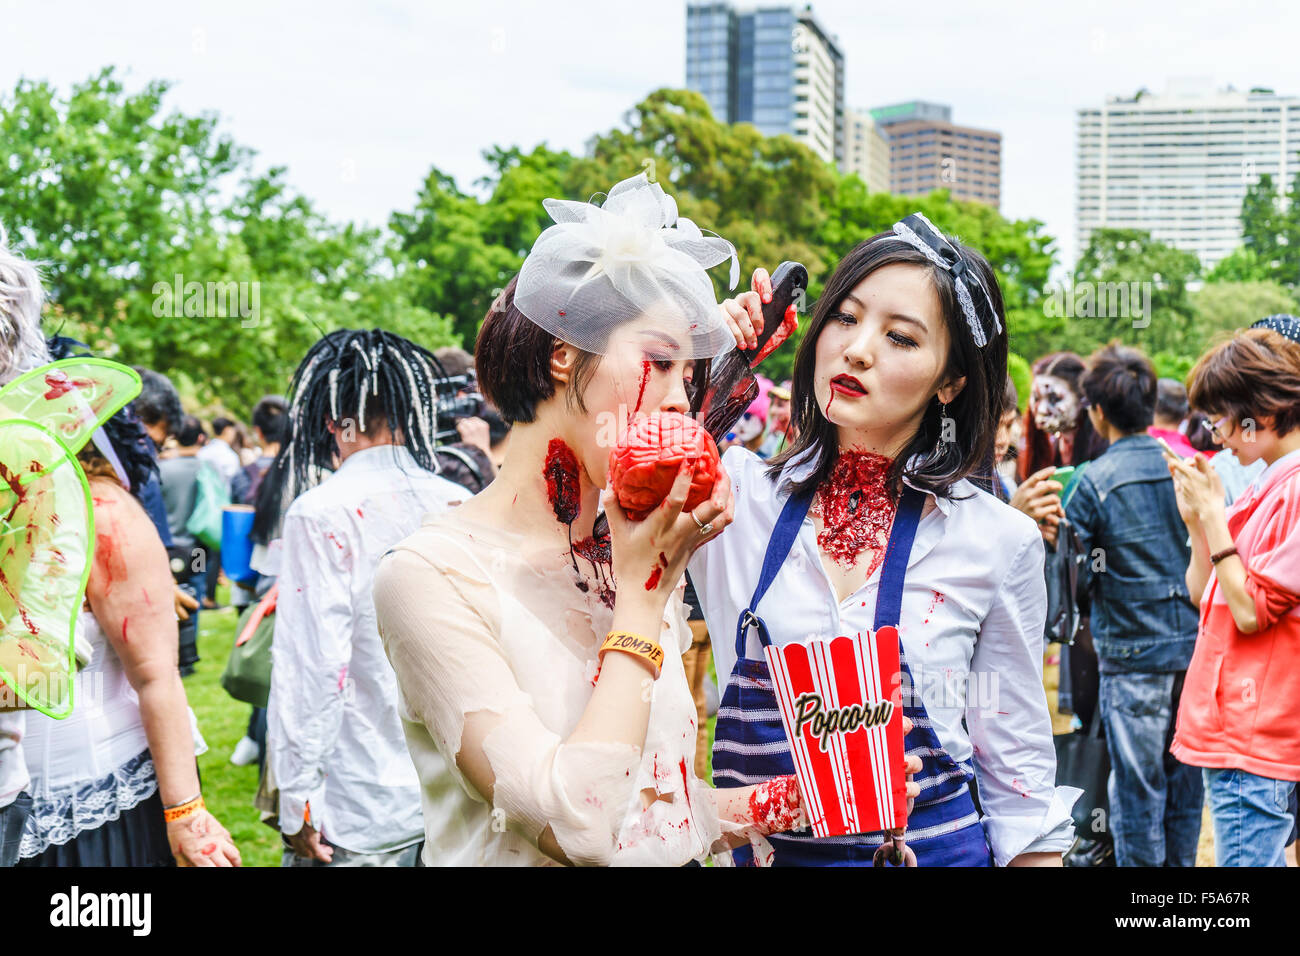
x=750, y=745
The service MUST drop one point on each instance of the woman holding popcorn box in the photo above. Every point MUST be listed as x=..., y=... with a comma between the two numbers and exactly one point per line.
x=868, y=522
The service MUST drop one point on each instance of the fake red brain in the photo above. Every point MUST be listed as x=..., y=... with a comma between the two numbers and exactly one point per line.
x=645, y=462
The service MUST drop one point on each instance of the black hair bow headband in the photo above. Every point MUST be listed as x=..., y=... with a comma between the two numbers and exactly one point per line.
x=919, y=233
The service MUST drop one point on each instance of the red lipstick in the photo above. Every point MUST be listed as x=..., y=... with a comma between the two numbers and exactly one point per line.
x=848, y=385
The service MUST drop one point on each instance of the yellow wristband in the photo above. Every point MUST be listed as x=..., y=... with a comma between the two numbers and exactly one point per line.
x=183, y=810
x=637, y=646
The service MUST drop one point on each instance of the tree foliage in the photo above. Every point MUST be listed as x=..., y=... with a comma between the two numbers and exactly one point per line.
x=127, y=202
x=124, y=203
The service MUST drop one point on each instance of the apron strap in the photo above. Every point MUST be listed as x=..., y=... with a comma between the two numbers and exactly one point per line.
x=889, y=596
x=778, y=549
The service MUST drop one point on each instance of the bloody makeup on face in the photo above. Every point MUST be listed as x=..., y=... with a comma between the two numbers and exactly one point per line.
x=1055, y=404
x=882, y=354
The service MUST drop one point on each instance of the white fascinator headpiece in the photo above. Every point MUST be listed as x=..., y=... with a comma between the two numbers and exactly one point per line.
x=632, y=257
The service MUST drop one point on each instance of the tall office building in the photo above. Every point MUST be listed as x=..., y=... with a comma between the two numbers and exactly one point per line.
x=927, y=151
x=774, y=67
x=866, y=151
x=1178, y=165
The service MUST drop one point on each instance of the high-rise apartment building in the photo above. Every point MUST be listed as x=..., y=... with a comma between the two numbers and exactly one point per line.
x=1178, y=165
x=866, y=151
x=927, y=151
x=774, y=67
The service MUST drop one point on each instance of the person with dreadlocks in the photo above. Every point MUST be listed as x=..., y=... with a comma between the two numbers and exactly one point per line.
x=362, y=403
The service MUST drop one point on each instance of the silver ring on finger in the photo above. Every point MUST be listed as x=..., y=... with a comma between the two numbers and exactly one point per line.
x=706, y=527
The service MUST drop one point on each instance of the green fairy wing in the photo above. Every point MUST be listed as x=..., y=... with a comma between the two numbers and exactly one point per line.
x=71, y=397
x=47, y=531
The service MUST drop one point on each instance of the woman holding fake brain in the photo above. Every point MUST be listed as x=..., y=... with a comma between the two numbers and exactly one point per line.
x=897, y=391
x=549, y=715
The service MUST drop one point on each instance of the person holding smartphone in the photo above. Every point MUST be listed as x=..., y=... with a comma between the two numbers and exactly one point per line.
x=1134, y=544
x=1238, y=715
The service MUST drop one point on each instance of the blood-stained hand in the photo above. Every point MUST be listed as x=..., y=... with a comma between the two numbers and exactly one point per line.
x=201, y=840
x=744, y=313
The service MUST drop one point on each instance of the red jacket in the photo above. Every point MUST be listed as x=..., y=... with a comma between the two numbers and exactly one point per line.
x=1240, y=706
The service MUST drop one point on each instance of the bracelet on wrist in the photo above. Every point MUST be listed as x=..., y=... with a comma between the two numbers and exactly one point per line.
x=179, y=811
x=1220, y=555
x=642, y=648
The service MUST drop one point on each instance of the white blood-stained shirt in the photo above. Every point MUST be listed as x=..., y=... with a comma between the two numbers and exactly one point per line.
x=480, y=620
x=334, y=737
x=974, y=603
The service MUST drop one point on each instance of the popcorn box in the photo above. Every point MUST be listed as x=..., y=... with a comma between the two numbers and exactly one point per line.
x=841, y=704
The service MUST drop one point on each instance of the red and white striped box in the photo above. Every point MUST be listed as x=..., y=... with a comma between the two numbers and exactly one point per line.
x=842, y=706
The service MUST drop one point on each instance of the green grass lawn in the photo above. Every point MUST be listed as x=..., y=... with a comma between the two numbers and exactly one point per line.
x=227, y=790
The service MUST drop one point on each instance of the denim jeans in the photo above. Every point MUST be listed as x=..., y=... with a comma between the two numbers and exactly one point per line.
x=1252, y=817
x=1155, y=801
x=188, y=631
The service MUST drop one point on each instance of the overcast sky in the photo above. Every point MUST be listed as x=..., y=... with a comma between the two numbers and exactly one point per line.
x=358, y=100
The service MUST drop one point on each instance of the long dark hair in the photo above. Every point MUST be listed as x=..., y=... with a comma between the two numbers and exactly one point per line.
x=977, y=408
x=1069, y=368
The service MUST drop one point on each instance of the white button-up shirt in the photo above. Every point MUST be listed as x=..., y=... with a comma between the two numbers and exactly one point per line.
x=973, y=608
x=334, y=736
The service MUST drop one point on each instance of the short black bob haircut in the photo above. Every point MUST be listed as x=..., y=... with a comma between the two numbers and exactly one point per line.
x=1121, y=381
x=512, y=360
x=976, y=411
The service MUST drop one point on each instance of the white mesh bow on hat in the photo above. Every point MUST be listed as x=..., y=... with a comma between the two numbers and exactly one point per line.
x=631, y=258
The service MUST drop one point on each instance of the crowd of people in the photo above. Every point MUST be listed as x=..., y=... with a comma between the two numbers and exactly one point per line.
x=451, y=589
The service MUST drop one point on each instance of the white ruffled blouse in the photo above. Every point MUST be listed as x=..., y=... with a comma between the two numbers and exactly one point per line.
x=474, y=620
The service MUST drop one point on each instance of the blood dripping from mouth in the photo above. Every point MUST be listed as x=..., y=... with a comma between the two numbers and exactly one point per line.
x=855, y=508
x=770, y=805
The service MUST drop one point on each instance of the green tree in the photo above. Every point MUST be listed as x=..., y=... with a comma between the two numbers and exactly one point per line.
x=1228, y=306
x=123, y=202
x=1120, y=267
x=446, y=257
x=1270, y=228
x=1240, y=265
x=103, y=186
